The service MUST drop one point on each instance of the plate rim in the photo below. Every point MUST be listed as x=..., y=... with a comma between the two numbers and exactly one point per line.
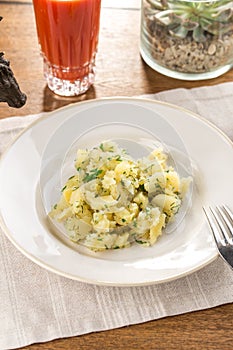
x=45, y=115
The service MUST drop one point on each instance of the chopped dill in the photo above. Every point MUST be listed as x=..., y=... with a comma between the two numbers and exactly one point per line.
x=94, y=173
x=63, y=189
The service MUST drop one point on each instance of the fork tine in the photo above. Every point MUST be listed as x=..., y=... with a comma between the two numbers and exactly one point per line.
x=212, y=223
x=229, y=213
x=221, y=225
x=228, y=222
x=224, y=224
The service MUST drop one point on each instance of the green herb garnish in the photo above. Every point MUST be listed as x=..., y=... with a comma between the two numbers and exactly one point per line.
x=141, y=188
x=138, y=241
x=118, y=197
x=118, y=158
x=94, y=173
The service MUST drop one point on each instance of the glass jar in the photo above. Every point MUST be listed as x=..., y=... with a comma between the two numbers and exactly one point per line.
x=187, y=39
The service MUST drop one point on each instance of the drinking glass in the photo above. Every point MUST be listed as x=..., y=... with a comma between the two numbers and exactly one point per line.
x=68, y=33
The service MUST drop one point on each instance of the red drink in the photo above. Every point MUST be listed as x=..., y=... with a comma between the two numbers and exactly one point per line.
x=68, y=35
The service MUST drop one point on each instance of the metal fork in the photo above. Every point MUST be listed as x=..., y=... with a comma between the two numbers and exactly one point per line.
x=220, y=220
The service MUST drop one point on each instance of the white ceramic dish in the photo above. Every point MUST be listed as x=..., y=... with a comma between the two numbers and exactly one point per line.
x=37, y=155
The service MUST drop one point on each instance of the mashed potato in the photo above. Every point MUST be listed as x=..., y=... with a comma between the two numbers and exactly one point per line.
x=114, y=200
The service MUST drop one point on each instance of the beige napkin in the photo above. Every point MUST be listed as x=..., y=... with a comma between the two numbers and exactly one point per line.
x=37, y=305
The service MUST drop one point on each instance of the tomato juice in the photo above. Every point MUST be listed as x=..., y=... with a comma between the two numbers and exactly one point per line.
x=68, y=35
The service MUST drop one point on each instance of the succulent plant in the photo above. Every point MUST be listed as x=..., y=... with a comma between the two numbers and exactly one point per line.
x=197, y=18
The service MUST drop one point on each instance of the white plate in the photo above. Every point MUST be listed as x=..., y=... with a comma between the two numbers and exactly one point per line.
x=37, y=155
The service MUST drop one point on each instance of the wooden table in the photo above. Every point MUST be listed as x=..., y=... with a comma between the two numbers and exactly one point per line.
x=120, y=71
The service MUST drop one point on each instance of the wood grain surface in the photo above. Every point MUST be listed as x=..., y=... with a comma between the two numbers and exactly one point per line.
x=120, y=71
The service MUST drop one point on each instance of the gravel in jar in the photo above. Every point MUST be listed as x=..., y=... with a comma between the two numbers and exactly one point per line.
x=186, y=55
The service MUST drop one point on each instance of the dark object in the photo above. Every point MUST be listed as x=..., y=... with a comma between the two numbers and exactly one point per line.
x=9, y=88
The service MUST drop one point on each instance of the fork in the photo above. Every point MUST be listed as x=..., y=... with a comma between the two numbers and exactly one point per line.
x=220, y=220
